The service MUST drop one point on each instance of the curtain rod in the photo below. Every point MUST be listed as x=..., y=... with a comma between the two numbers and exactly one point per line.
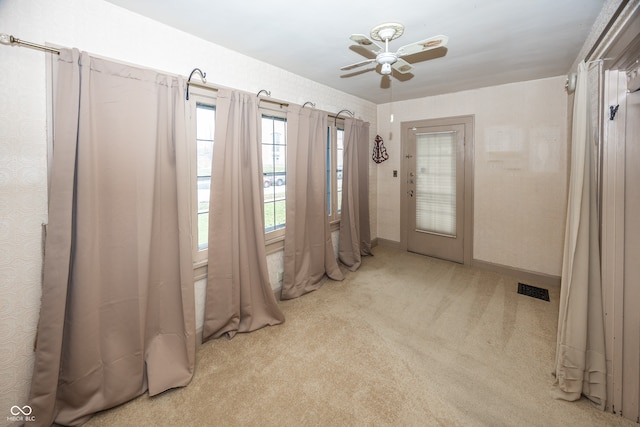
x=272, y=101
x=9, y=40
x=215, y=89
x=205, y=85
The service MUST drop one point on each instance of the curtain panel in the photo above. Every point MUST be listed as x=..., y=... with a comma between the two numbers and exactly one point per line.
x=308, y=249
x=239, y=297
x=580, y=367
x=117, y=314
x=355, y=234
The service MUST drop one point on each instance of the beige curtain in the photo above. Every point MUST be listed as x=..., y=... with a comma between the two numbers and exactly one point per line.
x=580, y=367
x=355, y=235
x=239, y=297
x=308, y=249
x=117, y=313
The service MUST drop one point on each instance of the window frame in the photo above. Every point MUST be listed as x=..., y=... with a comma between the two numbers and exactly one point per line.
x=274, y=239
x=197, y=96
x=332, y=138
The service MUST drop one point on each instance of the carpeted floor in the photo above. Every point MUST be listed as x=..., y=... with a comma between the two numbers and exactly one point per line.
x=405, y=341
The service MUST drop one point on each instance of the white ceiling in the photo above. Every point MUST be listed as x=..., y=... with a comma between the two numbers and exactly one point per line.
x=491, y=42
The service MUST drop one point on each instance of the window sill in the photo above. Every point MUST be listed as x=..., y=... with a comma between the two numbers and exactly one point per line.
x=272, y=246
x=200, y=269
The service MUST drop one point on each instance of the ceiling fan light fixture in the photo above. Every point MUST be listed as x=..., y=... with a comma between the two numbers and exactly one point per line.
x=386, y=69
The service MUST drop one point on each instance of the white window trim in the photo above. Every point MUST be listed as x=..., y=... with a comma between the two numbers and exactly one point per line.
x=274, y=240
x=334, y=217
x=208, y=97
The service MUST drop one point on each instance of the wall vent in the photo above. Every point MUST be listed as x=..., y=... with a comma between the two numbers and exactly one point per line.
x=533, y=291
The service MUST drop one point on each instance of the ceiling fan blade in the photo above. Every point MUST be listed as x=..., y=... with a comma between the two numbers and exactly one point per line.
x=402, y=66
x=422, y=45
x=366, y=42
x=357, y=64
x=358, y=72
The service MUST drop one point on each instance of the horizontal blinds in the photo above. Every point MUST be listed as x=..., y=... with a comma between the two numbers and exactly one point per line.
x=436, y=183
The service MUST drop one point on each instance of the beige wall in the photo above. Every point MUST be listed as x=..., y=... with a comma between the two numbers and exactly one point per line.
x=106, y=30
x=520, y=169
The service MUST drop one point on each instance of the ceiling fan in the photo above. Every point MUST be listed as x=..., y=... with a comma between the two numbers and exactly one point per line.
x=388, y=60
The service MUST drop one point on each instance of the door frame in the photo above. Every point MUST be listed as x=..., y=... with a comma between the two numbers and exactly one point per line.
x=468, y=123
x=620, y=320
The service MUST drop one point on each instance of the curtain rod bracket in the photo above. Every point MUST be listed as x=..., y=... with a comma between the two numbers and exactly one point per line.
x=335, y=121
x=202, y=77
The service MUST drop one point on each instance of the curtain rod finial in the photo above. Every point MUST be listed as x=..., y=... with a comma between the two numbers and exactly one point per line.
x=6, y=39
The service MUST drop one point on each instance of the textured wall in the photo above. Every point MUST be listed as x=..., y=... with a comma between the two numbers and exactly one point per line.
x=23, y=207
x=106, y=30
x=520, y=169
x=23, y=184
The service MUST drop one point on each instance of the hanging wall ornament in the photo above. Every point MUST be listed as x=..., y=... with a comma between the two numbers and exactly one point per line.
x=379, y=152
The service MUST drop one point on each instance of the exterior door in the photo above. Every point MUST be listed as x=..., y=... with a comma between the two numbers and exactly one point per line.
x=435, y=189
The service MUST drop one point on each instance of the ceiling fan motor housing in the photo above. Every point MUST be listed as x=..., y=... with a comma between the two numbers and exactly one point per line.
x=386, y=59
x=386, y=32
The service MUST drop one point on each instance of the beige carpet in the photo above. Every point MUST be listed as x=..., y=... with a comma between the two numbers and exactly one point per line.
x=405, y=341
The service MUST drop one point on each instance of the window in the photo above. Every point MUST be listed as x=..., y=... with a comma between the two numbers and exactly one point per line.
x=334, y=158
x=436, y=182
x=201, y=125
x=274, y=168
x=205, y=128
x=339, y=160
x=274, y=173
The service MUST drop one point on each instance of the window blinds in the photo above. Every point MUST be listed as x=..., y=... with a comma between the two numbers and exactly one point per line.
x=436, y=183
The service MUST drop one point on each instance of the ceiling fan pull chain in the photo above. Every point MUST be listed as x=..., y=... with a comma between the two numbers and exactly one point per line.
x=379, y=151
